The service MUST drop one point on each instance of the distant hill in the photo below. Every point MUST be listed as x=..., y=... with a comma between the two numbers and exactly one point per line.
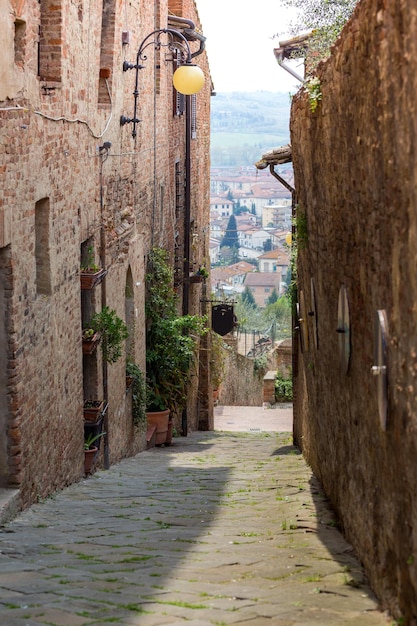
x=245, y=125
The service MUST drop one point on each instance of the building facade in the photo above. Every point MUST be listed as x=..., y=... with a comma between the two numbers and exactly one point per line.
x=77, y=184
x=262, y=285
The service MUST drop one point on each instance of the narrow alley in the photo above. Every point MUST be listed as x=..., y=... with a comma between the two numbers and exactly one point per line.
x=224, y=527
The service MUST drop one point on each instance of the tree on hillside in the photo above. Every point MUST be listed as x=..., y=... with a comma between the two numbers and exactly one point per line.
x=230, y=238
x=229, y=255
x=267, y=245
x=277, y=316
x=247, y=298
x=272, y=298
x=326, y=18
x=247, y=313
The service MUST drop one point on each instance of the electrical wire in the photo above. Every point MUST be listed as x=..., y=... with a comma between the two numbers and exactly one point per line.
x=62, y=118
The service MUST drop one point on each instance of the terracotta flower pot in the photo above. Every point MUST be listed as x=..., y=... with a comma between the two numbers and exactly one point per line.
x=93, y=410
x=91, y=343
x=159, y=419
x=89, y=456
x=90, y=278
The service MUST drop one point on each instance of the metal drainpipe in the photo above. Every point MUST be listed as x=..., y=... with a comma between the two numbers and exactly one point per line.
x=182, y=20
x=187, y=212
x=187, y=224
x=294, y=321
x=281, y=180
x=279, y=57
x=103, y=157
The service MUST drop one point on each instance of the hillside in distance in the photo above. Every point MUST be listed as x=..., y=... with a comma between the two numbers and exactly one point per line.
x=245, y=125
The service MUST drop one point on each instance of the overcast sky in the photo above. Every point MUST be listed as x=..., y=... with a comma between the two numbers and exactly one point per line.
x=240, y=45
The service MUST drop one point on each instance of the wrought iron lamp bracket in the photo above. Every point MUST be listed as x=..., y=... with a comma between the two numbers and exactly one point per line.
x=153, y=39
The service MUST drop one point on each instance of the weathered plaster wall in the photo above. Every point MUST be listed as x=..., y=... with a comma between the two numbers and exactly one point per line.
x=355, y=163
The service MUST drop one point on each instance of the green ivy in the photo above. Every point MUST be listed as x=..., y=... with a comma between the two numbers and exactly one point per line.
x=260, y=363
x=313, y=87
x=283, y=388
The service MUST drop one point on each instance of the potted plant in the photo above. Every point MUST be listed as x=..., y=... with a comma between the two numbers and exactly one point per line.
x=90, y=451
x=113, y=331
x=90, y=273
x=170, y=340
x=200, y=276
x=90, y=340
x=93, y=410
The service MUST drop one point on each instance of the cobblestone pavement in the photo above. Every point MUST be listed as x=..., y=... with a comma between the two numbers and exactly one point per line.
x=221, y=528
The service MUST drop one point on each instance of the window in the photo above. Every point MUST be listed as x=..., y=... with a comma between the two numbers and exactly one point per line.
x=130, y=313
x=267, y=290
x=157, y=52
x=161, y=208
x=108, y=24
x=193, y=103
x=42, y=247
x=179, y=210
x=19, y=42
x=50, y=41
x=179, y=98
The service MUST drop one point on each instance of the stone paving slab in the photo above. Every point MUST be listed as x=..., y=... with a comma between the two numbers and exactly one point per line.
x=264, y=418
x=221, y=528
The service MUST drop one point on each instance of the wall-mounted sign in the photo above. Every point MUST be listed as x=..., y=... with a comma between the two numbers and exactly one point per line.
x=222, y=319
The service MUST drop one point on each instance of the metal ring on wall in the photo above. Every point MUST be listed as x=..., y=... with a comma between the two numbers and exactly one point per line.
x=343, y=329
x=380, y=367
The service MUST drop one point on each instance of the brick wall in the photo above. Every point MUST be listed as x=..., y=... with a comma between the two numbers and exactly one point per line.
x=120, y=202
x=355, y=175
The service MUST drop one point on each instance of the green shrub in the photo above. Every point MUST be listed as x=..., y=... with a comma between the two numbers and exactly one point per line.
x=283, y=388
x=138, y=392
x=113, y=332
x=171, y=338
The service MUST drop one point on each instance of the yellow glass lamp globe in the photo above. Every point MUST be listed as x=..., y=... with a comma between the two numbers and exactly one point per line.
x=188, y=79
x=288, y=239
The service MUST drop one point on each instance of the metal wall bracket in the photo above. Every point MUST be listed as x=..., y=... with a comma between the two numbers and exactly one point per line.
x=313, y=314
x=380, y=367
x=343, y=329
x=302, y=322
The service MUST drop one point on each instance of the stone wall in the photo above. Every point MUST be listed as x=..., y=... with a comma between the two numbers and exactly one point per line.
x=242, y=385
x=356, y=179
x=62, y=193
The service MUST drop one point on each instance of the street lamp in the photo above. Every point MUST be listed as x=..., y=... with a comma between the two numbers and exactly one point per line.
x=188, y=78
